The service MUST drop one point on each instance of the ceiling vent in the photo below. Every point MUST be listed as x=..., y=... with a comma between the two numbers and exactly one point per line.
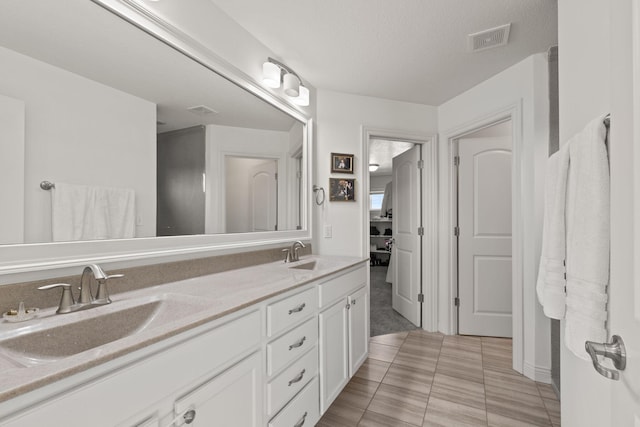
x=488, y=39
x=202, y=110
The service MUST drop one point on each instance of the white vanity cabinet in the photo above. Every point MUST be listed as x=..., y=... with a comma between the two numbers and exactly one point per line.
x=344, y=331
x=210, y=371
x=278, y=362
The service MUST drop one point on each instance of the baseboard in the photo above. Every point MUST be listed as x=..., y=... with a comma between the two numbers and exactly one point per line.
x=537, y=373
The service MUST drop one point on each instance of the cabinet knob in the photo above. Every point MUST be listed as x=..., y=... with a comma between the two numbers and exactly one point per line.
x=189, y=416
x=348, y=306
x=353, y=301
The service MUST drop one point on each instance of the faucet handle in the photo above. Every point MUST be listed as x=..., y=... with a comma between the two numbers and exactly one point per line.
x=66, y=301
x=102, y=294
x=287, y=257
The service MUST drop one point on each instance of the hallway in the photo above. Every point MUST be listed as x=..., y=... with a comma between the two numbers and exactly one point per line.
x=418, y=378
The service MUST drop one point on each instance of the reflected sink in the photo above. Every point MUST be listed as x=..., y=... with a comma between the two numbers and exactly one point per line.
x=311, y=265
x=121, y=319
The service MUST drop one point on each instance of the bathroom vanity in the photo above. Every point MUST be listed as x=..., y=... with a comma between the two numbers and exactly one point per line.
x=267, y=345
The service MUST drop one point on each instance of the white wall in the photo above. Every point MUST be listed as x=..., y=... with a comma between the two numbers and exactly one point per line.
x=584, y=40
x=339, y=129
x=379, y=182
x=12, y=169
x=229, y=141
x=523, y=85
x=81, y=132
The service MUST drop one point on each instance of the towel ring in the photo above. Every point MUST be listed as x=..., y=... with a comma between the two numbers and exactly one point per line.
x=319, y=195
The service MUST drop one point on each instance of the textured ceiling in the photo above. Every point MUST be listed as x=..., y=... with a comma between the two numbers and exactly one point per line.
x=407, y=50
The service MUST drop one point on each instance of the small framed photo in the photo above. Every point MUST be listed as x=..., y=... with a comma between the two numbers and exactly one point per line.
x=342, y=190
x=341, y=163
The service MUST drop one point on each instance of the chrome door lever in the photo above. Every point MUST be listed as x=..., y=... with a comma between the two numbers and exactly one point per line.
x=614, y=351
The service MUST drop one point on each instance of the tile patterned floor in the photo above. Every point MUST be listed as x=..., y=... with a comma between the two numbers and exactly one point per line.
x=416, y=379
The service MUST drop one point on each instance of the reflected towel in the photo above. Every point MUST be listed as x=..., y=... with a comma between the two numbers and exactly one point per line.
x=81, y=212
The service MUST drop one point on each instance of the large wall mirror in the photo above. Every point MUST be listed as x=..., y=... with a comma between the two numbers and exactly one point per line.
x=90, y=101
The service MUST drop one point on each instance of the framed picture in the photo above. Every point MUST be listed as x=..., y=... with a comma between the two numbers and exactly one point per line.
x=341, y=163
x=342, y=190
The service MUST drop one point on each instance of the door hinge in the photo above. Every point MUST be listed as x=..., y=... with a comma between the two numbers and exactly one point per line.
x=420, y=297
x=276, y=175
x=456, y=161
x=456, y=231
x=420, y=231
x=420, y=164
x=456, y=302
x=276, y=228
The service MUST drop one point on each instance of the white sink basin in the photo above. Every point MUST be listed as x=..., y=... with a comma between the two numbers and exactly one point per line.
x=54, y=338
x=309, y=265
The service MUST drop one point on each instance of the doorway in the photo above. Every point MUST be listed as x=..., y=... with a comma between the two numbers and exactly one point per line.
x=388, y=314
x=483, y=229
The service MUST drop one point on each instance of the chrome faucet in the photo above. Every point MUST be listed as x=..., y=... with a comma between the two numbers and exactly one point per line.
x=85, y=300
x=292, y=252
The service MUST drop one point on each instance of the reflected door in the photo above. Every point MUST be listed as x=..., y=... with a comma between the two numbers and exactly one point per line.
x=264, y=196
x=180, y=182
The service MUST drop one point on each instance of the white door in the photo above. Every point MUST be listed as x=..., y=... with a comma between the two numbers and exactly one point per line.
x=624, y=286
x=406, y=249
x=233, y=398
x=358, y=329
x=484, y=240
x=334, y=352
x=264, y=196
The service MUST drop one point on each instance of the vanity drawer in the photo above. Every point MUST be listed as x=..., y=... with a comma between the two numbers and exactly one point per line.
x=291, y=345
x=291, y=381
x=335, y=288
x=287, y=312
x=303, y=410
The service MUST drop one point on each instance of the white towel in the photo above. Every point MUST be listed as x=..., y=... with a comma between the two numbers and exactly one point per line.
x=587, y=214
x=550, y=285
x=81, y=212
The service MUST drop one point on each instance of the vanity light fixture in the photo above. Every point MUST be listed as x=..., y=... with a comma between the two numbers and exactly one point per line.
x=373, y=167
x=275, y=73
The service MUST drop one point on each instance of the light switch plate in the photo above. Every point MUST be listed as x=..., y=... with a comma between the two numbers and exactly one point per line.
x=327, y=231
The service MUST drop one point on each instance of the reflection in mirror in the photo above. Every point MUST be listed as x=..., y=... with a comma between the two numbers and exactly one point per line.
x=89, y=100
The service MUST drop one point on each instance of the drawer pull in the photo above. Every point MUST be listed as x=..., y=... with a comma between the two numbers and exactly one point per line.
x=298, y=308
x=297, y=343
x=301, y=421
x=297, y=378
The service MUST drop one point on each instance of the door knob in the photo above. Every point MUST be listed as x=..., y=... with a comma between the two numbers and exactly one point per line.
x=614, y=351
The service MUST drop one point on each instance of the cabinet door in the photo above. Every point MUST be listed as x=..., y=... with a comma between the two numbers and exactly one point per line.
x=358, y=329
x=233, y=398
x=334, y=366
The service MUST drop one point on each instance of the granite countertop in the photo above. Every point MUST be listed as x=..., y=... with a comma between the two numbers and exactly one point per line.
x=204, y=299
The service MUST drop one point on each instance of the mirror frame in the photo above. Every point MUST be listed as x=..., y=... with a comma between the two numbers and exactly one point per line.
x=23, y=262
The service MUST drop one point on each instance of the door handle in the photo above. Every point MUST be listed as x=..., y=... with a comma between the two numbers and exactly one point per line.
x=614, y=351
